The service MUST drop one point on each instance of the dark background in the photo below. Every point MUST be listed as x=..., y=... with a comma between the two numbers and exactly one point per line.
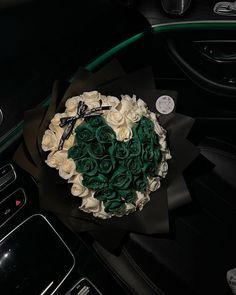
x=41, y=41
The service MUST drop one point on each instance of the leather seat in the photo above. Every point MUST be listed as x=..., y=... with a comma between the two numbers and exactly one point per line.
x=200, y=249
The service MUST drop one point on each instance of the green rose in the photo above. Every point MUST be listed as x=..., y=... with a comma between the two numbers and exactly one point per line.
x=148, y=152
x=96, y=150
x=115, y=169
x=121, y=178
x=114, y=206
x=84, y=133
x=155, y=139
x=96, y=121
x=105, y=134
x=126, y=195
x=150, y=169
x=105, y=194
x=112, y=202
x=105, y=165
x=140, y=183
x=145, y=129
x=95, y=182
x=77, y=151
x=117, y=203
x=134, y=147
x=87, y=166
x=157, y=155
x=134, y=165
x=120, y=150
x=147, y=123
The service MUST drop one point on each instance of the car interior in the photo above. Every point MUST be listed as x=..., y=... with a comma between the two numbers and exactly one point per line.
x=191, y=47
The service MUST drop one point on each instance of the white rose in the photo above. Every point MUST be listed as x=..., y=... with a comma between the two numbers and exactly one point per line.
x=57, y=117
x=129, y=208
x=154, y=183
x=67, y=169
x=78, y=122
x=159, y=131
x=77, y=188
x=112, y=101
x=56, y=129
x=124, y=133
x=90, y=205
x=152, y=116
x=141, y=200
x=58, y=134
x=101, y=213
x=142, y=106
x=91, y=99
x=157, y=127
x=68, y=143
x=163, y=169
x=114, y=118
x=133, y=115
x=77, y=178
x=72, y=105
x=162, y=143
x=128, y=99
x=126, y=103
x=55, y=159
x=50, y=141
x=167, y=154
x=54, y=125
x=162, y=136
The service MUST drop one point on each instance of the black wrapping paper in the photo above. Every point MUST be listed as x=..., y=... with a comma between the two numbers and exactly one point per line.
x=54, y=194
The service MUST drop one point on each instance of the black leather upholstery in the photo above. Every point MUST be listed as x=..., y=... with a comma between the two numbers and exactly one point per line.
x=223, y=155
x=195, y=256
x=128, y=271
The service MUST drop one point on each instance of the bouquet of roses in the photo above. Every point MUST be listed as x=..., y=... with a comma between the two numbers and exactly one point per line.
x=109, y=155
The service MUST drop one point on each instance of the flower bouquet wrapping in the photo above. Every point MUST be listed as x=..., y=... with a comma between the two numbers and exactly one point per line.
x=113, y=152
x=105, y=161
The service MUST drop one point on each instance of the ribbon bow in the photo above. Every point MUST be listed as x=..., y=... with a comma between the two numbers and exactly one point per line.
x=69, y=122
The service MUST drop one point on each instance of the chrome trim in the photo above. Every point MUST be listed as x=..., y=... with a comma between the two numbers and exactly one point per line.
x=19, y=189
x=225, y=8
x=45, y=290
x=194, y=22
x=40, y=215
x=83, y=279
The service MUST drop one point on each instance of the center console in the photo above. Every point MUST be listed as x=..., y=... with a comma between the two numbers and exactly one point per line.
x=38, y=254
x=34, y=259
